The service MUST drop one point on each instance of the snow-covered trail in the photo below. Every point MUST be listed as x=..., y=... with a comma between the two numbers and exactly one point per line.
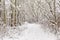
x=32, y=32
x=35, y=32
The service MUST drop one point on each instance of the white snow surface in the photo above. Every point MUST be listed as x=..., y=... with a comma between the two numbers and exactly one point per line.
x=30, y=32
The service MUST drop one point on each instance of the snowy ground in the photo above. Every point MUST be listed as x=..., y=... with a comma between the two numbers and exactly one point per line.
x=29, y=32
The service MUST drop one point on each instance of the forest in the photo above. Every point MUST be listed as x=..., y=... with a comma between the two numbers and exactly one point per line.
x=15, y=13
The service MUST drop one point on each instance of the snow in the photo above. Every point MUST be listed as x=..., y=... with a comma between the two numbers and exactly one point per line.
x=34, y=32
x=29, y=31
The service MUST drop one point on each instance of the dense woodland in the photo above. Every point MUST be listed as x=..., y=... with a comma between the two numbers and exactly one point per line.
x=16, y=12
